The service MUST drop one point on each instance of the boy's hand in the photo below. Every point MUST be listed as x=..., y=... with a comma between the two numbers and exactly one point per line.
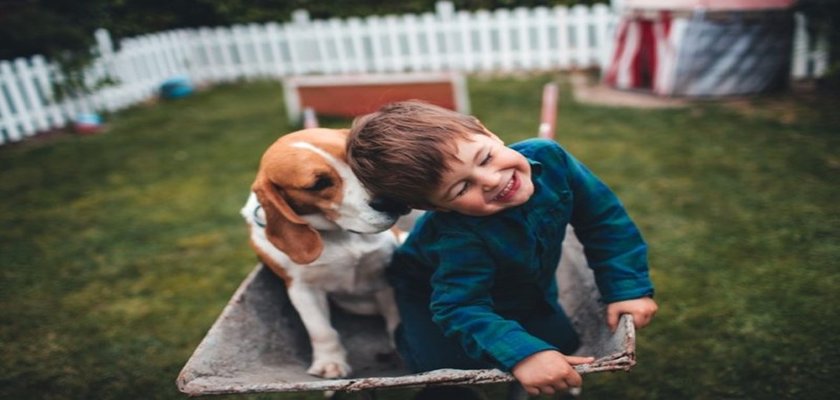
x=642, y=309
x=548, y=371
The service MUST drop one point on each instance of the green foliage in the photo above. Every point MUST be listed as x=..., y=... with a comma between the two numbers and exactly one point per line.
x=62, y=31
x=119, y=250
x=52, y=28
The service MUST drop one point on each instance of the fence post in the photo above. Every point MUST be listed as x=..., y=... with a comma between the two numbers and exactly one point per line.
x=484, y=38
x=543, y=51
x=397, y=62
x=104, y=64
x=41, y=75
x=415, y=59
x=323, y=62
x=603, y=34
x=105, y=47
x=21, y=111
x=561, y=15
x=7, y=119
x=799, y=69
x=503, y=28
x=430, y=29
x=374, y=24
x=300, y=18
x=360, y=59
x=581, y=25
x=445, y=12
x=276, y=67
x=26, y=75
x=243, y=63
x=258, y=36
x=335, y=35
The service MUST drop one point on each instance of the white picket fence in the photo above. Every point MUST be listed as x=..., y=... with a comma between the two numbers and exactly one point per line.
x=503, y=40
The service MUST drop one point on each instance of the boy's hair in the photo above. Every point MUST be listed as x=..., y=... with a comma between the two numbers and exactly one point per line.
x=400, y=151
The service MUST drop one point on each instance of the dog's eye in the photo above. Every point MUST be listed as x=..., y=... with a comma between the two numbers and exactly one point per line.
x=321, y=183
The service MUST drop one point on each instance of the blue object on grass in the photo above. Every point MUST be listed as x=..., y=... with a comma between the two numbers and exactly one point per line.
x=87, y=122
x=88, y=119
x=176, y=87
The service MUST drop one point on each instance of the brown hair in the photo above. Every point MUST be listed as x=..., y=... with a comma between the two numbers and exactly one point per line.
x=400, y=151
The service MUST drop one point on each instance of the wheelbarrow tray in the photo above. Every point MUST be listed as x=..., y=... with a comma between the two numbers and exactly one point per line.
x=258, y=343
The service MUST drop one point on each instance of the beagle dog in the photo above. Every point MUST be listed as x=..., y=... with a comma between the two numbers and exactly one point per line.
x=314, y=225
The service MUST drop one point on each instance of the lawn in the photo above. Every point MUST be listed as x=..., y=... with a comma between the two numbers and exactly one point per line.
x=119, y=250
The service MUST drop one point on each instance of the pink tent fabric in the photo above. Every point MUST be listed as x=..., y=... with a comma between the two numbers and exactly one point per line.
x=642, y=52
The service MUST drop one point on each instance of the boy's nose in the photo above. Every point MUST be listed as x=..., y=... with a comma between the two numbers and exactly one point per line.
x=490, y=180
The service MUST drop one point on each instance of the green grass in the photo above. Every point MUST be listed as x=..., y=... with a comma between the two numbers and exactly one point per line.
x=119, y=250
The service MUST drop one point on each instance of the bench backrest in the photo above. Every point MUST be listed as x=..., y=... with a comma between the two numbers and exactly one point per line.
x=353, y=95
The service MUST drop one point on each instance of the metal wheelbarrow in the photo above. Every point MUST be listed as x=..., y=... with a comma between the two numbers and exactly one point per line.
x=259, y=344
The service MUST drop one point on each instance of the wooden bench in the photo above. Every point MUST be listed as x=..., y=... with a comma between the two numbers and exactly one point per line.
x=353, y=95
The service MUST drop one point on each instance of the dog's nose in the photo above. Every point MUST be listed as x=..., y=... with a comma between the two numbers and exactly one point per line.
x=390, y=206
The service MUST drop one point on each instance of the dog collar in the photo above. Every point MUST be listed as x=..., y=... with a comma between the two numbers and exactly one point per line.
x=259, y=221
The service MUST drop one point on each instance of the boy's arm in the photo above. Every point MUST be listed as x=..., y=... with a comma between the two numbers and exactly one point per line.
x=614, y=247
x=461, y=304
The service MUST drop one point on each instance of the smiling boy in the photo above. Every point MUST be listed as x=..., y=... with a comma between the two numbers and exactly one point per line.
x=475, y=280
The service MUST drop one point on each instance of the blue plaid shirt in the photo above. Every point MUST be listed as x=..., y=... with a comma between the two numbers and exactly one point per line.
x=479, y=273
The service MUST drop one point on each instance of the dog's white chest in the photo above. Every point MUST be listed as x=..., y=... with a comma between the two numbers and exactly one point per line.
x=351, y=263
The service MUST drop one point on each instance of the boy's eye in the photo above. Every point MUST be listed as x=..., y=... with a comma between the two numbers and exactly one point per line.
x=463, y=190
x=486, y=159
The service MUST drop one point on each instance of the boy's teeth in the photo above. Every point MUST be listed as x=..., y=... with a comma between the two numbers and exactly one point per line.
x=504, y=191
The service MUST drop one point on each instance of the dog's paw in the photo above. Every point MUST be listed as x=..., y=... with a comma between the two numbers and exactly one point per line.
x=329, y=369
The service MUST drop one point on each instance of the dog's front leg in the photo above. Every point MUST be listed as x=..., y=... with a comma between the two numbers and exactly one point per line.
x=329, y=358
x=388, y=308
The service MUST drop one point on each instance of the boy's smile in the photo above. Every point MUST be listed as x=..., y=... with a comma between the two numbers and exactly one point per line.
x=486, y=178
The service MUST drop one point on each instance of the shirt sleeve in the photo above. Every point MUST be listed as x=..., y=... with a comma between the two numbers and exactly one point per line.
x=462, y=306
x=614, y=247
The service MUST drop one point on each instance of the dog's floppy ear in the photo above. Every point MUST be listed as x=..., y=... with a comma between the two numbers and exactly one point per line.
x=284, y=228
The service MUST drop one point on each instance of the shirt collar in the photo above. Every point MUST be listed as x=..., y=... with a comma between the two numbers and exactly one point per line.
x=536, y=168
x=536, y=171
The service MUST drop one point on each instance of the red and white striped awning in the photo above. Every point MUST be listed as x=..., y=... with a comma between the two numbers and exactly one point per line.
x=645, y=51
x=719, y=5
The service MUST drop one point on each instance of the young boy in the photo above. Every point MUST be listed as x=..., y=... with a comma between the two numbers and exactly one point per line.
x=475, y=280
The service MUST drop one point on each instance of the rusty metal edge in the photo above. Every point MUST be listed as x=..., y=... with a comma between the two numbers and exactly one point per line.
x=205, y=386
x=630, y=338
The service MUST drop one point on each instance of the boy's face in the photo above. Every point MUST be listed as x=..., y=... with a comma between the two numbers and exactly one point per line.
x=486, y=178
